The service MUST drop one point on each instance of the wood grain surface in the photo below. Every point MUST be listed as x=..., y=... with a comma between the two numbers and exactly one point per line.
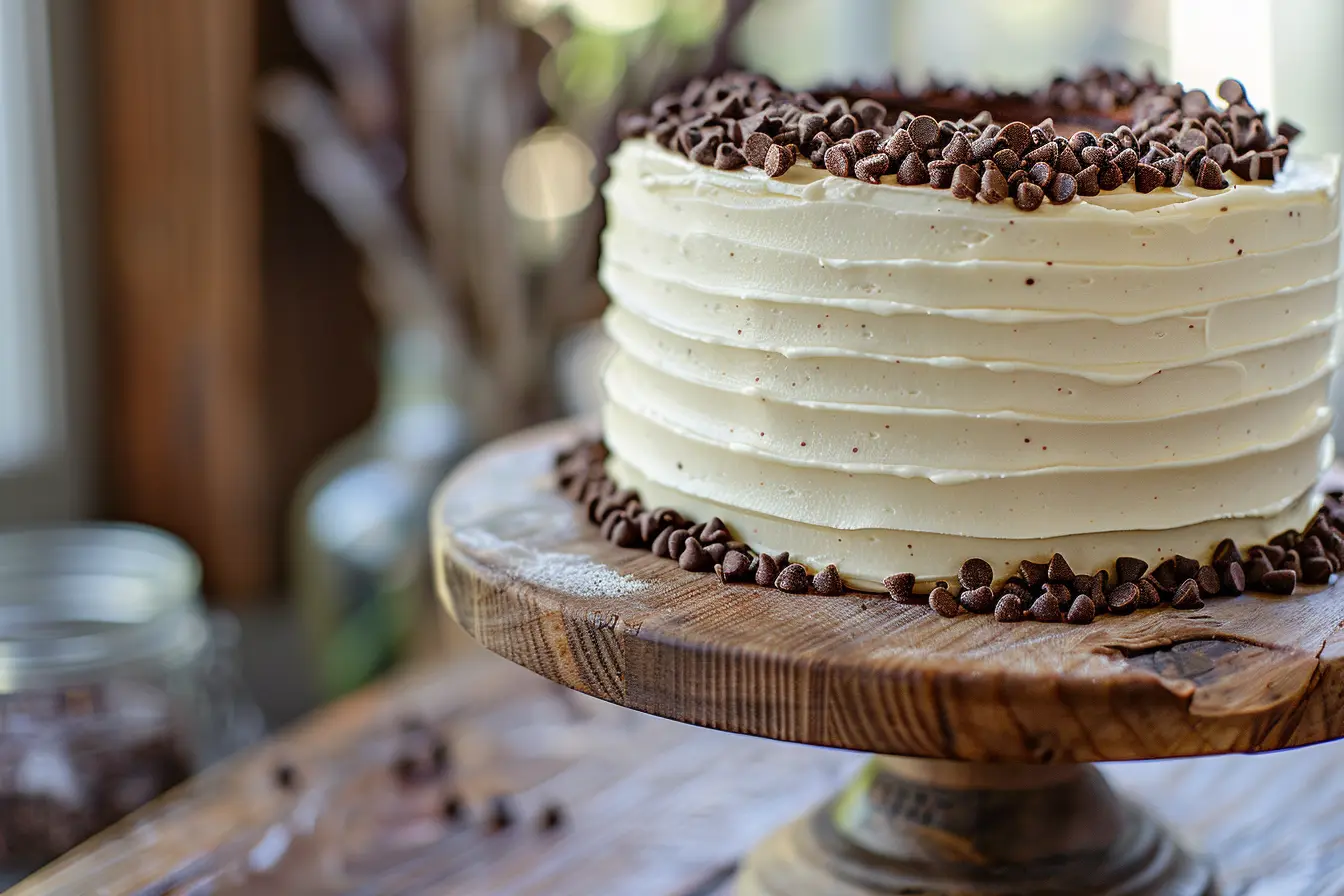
x=655, y=808
x=531, y=580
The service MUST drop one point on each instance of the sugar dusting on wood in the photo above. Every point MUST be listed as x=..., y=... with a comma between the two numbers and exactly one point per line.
x=573, y=574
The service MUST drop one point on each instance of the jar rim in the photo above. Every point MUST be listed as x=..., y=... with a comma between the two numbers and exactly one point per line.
x=80, y=599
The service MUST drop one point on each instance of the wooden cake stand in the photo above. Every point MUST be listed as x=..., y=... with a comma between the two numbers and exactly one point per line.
x=984, y=731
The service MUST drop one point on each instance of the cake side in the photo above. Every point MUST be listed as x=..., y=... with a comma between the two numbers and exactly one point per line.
x=881, y=376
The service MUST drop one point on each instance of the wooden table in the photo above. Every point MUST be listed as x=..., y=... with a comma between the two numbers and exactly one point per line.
x=652, y=807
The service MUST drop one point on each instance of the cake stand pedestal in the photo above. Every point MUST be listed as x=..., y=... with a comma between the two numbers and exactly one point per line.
x=995, y=725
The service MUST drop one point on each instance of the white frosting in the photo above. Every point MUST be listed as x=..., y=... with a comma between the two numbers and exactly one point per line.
x=892, y=379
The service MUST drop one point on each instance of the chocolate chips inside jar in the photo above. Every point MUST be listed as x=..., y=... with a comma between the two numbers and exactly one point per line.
x=114, y=686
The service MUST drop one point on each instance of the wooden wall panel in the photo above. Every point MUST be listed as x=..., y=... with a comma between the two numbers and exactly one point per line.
x=182, y=317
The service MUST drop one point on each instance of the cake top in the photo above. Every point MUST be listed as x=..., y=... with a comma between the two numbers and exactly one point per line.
x=1071, y=138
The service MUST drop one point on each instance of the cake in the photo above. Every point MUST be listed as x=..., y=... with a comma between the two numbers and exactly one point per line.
x=892, y=333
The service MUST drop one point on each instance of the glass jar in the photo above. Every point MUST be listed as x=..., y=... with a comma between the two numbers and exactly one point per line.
x=114, y=683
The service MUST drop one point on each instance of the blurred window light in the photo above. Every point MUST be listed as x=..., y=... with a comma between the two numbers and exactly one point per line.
x=1210, y=42
x=692, y=22
x=27, y=353
x=587, y=69
x=549, y=176
x=616, y=16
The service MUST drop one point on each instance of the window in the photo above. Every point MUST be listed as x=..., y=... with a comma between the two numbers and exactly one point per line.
x=37, y=473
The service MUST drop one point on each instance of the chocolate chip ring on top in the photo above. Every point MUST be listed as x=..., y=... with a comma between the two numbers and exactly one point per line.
x=1072, y=138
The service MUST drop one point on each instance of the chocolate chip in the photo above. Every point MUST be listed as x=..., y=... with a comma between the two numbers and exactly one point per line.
x=809, y=126
x=1111, y=177
x=1226, y=552
x=1233, y=578
x=1211, y=175
x=1187, y=596
x=1276, y=552
x=865, y=142
x=1082, y=611
x=716, y=551
x=827, y=582
x=1292, y=561
x=1316, y=571
x=1094, y=155
x=912, y=172
x=1288, y=131
x=1068, y=162
x=1172, y=168
x=1062, y=189
x=500, y=815
x=1232, y=91
x=1128, y=162
x=1034, y=574
x=1040, y=174
x=712, y=529
x=676, y=542
x=940, y=173
x=793, y=579
x=1149, y=594
x=756, y=147
x=1081, y=584
x=1009, y=609
x=1082, y=140
x=552, y=818
x=1017, y=135
x=661, y=543
x=1046, y=153
x=1279, y=581
x=975, y=573
x=869, y=111
x=1256, y=568
x=625, y=534
x=286, y=776
x=1129, y=569
x=1225, y=156
x=993, y=185
x=693, y=557
x=1016, y=586
x=1058, y=571
x=840, y=160
x=1029, y=196
x=609, y=521
x=943, y=603
x=1147, y=178
x=778, y=160
x=1017, y=177
x=1060, y=590
x=901, y=587
x=766, y=571
x=820, y=144
x=1191, y=138
x=1208, y=580
x=965, y=182
x=705, y=152
x=1184, y=567
x=735, y=566
x=844, y=126
x=454, y=809
x=1310, y=546
x=1045, y=609
x=978, y=600
x=1123, y=599
x=1088, y=182
x=872, y=168
x=923, y=130
x=899, y=144
x=1007, y=160
x=958, y=150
